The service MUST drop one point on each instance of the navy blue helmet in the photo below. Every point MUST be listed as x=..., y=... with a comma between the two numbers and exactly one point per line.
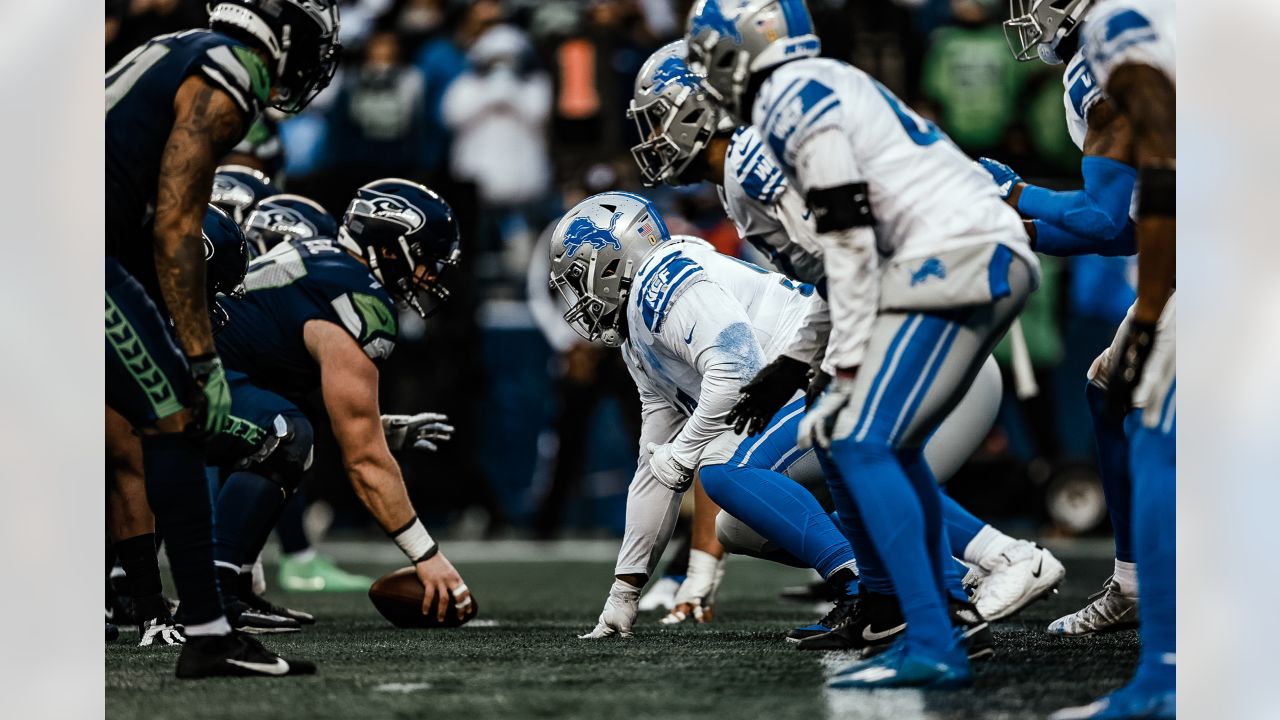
x=408, y=236
x=299, y=38
x=281, y=218
x=226, y=258
x=236, y=189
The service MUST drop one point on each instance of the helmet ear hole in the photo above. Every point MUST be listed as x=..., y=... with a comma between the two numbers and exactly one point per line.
x=693, y=116
x=611, y=269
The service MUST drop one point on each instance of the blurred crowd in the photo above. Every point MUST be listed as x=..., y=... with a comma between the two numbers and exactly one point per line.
x=514, y=110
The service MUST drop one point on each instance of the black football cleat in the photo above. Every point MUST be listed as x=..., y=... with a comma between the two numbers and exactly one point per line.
x=874, y=621
x=975, y=632
x=255, y=622
x=815, y=592
x=257, y=602
x=234, y=655
x=829, y=622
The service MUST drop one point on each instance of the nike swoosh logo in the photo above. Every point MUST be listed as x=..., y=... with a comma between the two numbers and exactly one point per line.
x=807, y=215
x=1039, y=566
x=279, y=667
x=689, y=340
x=1005, y=187
x=871, y=636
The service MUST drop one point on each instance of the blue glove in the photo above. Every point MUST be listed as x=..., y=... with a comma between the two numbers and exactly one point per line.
x=1002, y=174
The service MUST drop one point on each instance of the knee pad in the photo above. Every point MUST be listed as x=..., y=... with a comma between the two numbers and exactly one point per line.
x=739, y=539
x=288, y=453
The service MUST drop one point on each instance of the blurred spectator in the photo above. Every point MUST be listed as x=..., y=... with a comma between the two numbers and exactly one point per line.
x=498, y=111
x=377, y=124
x=971, y=79
x=133, y=22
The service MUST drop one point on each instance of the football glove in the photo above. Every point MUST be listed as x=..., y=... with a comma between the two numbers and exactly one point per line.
x=1003, y=175
x=818, y=381
x=667, y=469
x=696, y=597
x=619, y=613
x=829, y=417
x=416, y=430
x=1127, y=367
x=765, y=395
x=212, y=403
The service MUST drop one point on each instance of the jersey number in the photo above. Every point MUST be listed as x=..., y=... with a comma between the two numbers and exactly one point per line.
x=921, y=131
x=131, y=68
x=282, y=265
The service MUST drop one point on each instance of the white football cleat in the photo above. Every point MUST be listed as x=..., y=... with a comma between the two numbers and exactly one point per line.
x=1109, y=610
x=1016, y=576
x=662, y=595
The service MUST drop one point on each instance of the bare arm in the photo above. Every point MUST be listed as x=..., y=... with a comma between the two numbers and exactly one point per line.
x=1149, y=100
x=349, y=384
x=207, y=124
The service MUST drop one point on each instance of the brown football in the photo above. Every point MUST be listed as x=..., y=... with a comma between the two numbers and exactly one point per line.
x=398, y=596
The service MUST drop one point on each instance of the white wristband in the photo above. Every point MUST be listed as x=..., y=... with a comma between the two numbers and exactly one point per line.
x=415, y=542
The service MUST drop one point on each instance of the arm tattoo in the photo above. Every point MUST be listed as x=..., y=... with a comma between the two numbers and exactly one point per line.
x=207, y=124
x=1149, y=101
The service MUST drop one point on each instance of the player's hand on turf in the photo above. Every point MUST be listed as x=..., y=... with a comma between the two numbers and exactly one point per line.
x=1003, y=175
x=417, y=431
x=827, y=418
x=1126, y=370
x=619, y=614
x=441, y=581
x=212, y=403
x=765, y=395
x=669, y=471
x=696, y=598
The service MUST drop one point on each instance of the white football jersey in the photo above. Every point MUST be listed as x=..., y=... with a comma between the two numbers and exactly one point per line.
x=700, y=325
x=925, y=194
x=1080, y=92
x=766, y=211
x=1119, y=32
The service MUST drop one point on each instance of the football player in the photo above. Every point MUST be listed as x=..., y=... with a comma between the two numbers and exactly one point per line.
x=1096, y=219
x=237, y=189
x=926, y=270
x=174, y=106
x=685, y=141
x=693, y=326
x=1130, y=48
x=320, y=314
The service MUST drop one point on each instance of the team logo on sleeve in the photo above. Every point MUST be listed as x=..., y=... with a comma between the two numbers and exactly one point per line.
x=582, y=231
x=711, y=17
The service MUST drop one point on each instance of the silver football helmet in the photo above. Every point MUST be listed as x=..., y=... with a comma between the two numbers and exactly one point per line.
x=596, y=249
x=1035, y=27
x=730, y=40
x=673, y=113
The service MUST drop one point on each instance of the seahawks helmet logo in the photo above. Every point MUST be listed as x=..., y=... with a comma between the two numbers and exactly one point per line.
x=230, y=191
x=390, y=207
x=289, y=221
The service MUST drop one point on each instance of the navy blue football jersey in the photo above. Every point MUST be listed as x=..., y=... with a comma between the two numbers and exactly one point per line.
x=296, y=282
x=140, y=92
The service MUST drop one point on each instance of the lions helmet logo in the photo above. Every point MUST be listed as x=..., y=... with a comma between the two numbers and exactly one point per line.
x=673, y=70
x=583, y=231
x=710, y=17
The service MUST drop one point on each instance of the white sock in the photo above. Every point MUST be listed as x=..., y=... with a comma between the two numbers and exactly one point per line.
x=304, y=556
x=988, y=542
x=213, y=627
x=1126, y=574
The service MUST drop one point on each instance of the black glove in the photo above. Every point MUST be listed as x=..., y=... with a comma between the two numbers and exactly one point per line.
x=1126, y=369
x=818, y=381
x=765, y=395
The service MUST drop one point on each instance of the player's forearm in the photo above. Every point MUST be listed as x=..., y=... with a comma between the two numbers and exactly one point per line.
x=853, y=294
x=180, y=272
x=811, y=337
x=722, y=381
x=380, y=486
x=652, y=509
x=1051, y=239
x=1099, y=211
x=1157, y=266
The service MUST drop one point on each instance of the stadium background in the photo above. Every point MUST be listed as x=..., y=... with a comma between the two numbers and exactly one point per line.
x=515, y=110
